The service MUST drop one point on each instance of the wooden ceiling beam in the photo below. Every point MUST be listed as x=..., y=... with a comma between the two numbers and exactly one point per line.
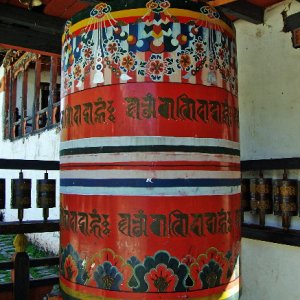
x=37, y=21
x=13, y=36
x=244, y=10
x=26, y=29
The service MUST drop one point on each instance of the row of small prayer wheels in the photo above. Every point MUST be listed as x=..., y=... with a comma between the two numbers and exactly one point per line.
x=271, y=196
x=21, y=194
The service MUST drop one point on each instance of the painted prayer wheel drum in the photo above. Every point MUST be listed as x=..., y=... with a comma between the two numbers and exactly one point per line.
x=261, y=197
x=45, y=192
x=21, y=192
x=150, y=177
x=285, y=193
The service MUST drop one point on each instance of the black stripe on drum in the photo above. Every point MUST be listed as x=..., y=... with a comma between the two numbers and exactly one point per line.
x=153, y=183
x=154, y=148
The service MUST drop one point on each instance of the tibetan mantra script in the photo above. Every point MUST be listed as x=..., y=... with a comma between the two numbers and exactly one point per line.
x=182, y=108
x=139, y=224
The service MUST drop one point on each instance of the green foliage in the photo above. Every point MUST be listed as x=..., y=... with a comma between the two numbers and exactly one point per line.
x=7, y=250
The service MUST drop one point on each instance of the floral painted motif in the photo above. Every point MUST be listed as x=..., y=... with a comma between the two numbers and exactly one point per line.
x=112, y=48
x=185, y=60
x=211, y=275
x=209, y=270
x=71, y=265
x=160, y=273
x=154, y=47
x=157, y=67
x=108, y=277
x=108, y=271
x=188, y=260
x=77, y=72
x=161, y=279
x=200, y=48
x=128, y=62
x=88, y=53
x=70, y=268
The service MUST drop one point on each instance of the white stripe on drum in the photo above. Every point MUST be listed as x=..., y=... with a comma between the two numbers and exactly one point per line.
x=151, y=192
x=148, y=157
x=162, y=174
x=118, y=141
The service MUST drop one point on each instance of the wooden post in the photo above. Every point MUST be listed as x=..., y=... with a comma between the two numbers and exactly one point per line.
x=20, y=273
x=12, y=104
x=37, y=87
x=24, y=102
x=52, y=88
x=7, y=102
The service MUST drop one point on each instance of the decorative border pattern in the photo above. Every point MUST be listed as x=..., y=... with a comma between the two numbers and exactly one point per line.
x=160, y=273
x=154, y=47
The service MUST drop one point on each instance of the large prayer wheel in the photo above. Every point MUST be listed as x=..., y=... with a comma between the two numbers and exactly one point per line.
x=150, y=177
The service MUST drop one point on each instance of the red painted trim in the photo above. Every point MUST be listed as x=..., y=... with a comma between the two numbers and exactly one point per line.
x=125, y=125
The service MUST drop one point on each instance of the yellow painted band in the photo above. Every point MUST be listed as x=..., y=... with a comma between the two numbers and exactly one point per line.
x=80, y=295
x=76, y=294
x=140, y=12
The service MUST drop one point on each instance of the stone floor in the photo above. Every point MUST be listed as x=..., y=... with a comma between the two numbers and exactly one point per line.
x=7, y=250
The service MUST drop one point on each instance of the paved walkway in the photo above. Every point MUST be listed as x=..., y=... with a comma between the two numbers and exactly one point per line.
x=7, y=250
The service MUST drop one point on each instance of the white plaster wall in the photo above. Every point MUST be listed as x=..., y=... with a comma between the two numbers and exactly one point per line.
x=43, y=146
x=269, y=90
x=270, y=271
x=269, y=97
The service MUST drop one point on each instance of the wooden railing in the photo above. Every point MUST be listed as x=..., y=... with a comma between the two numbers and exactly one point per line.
x=21, y=119
x=22, y=287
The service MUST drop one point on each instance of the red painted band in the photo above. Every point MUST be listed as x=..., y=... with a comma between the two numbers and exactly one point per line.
x=151, y=109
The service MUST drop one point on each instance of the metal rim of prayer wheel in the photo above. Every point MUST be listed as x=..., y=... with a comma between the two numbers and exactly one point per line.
x=150, y=166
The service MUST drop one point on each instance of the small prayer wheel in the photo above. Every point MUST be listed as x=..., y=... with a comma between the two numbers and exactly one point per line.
x=276, y=197
x=2, y=193
x=21, y=194
x=245, y=196
x=261, y=197
x=285, y=193
x=45, y=191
